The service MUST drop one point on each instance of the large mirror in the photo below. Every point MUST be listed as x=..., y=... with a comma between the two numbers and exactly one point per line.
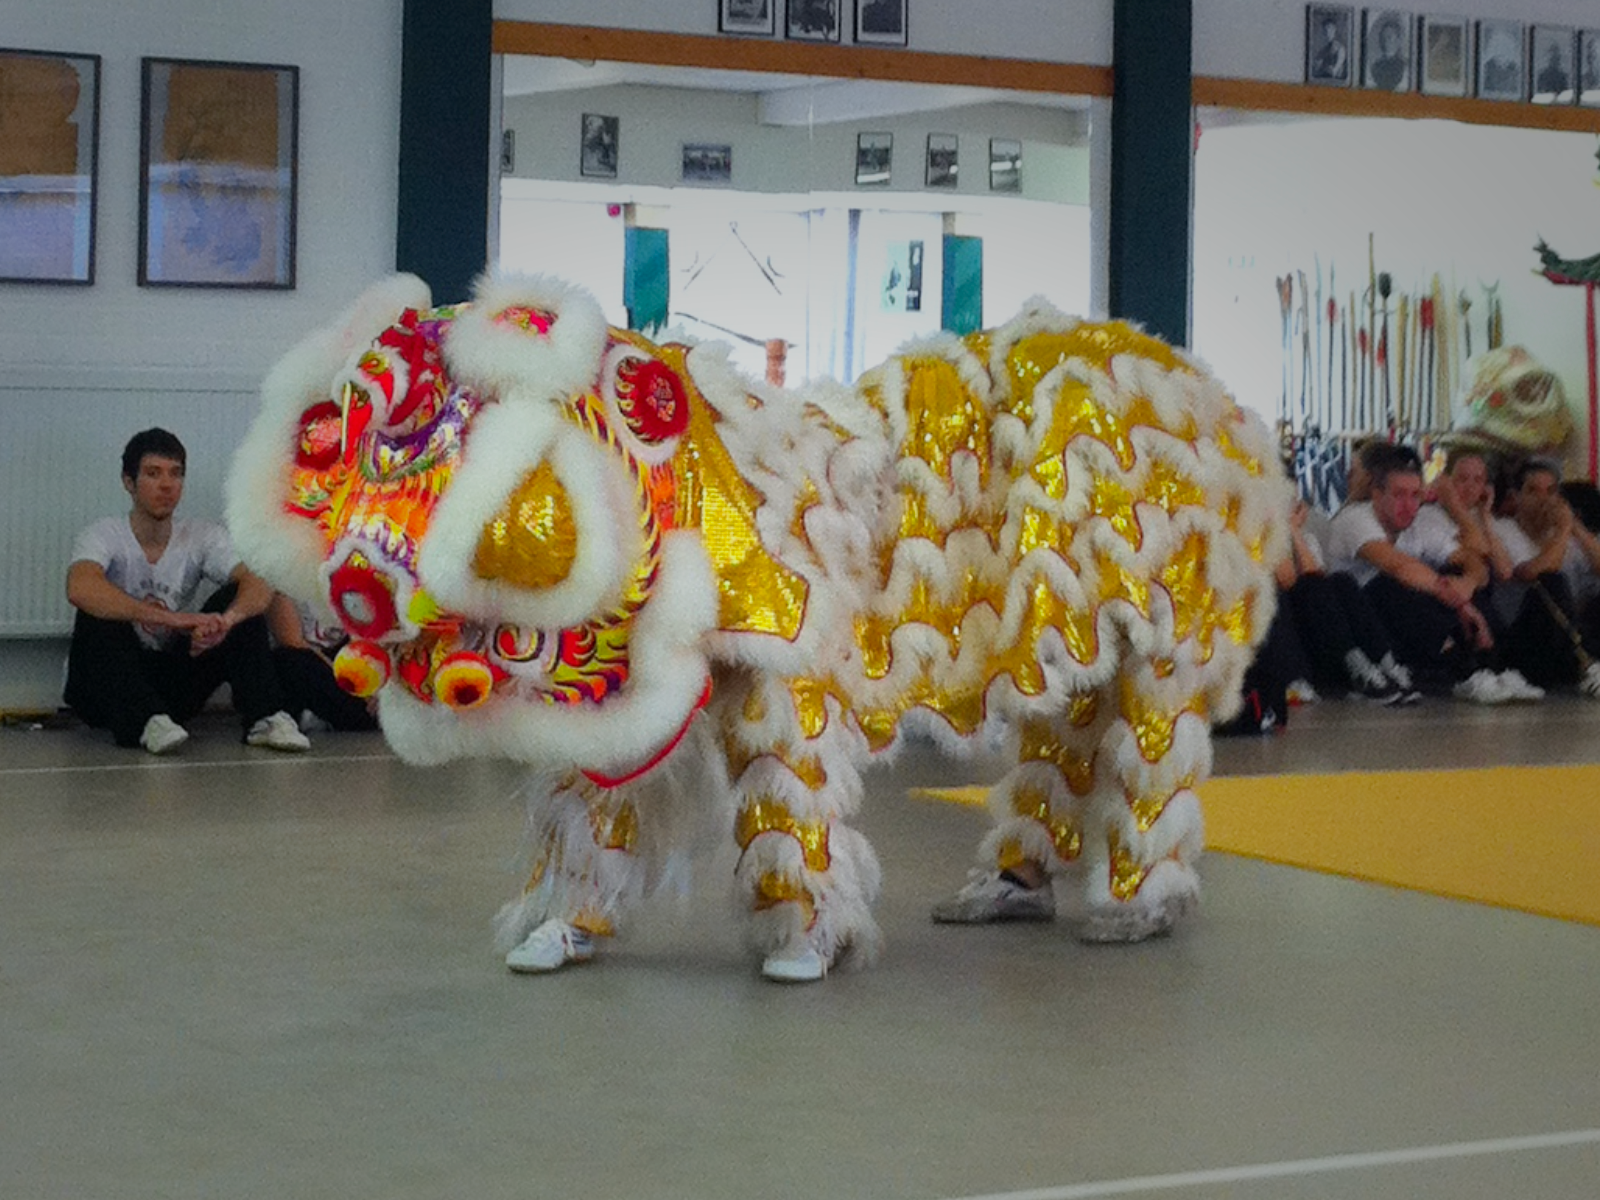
x=813, y=223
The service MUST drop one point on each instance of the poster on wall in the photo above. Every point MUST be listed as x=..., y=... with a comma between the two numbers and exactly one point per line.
x=598, y=137
x=1589, y=67
x=1005, y=165
x=881, y=22
x=706, y=162
x=942, y=161
x=49, y=136
x=902, y=278
x=1386, y=50
x=1329, y=37
x=217, y=174
x=746, y=16
x=813, y=20
x=1444, y=56
x=874, y=152
x=1500, y=74
x=1552, y=59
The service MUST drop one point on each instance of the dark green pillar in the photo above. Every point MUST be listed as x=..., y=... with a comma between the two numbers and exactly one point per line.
x=442, y=231
x=1152, y=131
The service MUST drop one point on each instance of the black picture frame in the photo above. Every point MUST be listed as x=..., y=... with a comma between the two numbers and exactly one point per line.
x=1552, y=64
x=598, y=146
x=1501, y=48
x=708, y=163
x=1005, y=165
x=943, y=161
x=50, y=110
x=1330, y=45
x=218, y=173
x=881, y=22
x=874, y=159
x=1589, y=68
x=1444, y=56
x=1387, y=58
x=812, y=20
x=751, y=18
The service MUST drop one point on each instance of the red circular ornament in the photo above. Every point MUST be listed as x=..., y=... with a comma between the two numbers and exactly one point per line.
x=652, y=399
x=363, y=598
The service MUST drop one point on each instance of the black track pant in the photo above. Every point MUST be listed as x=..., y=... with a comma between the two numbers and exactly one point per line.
x=1536, y=643
x=308, y=682
x=1332, y=617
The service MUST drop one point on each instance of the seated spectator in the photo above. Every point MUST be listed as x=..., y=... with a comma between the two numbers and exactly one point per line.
x=146, y=654
x=303, y=654
x=1422, y=583
x=1464, y=509
x=1550, y=599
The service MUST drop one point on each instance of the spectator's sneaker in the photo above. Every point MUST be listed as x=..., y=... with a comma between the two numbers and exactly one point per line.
x=1403, y=679
x=309, y=722
x=550, y=947
x=989, y=896
x=277, y=732
x=1589, y=681
x=1301, y=692
x=1481, y=687
x=162, y=735
x=1369, y=683
x=1516, y=687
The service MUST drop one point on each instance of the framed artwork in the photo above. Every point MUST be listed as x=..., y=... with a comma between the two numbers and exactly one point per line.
x=1386, y=50
x=706, y=162
x=217, y=174
x=813, y=20
x=597, y=157
x=1552, y=64
x=747, y=16
x=1330, y=42
x=874, y=152
x=1589, y=67
x=942, y=160
x=1446, y=56
x=1500, y=61
x=1005, y=165
x=49, y=159
x=881, y=22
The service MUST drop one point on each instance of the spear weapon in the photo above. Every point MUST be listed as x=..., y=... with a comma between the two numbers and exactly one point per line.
x=1465, y=301
x=1425, y=363
x=1333, y=308
x=1318, y=405
x=1385, y=286
x=1441, y=321
x=1285, y=300
x=1402, y=316
x=1372, y=328
x=1365, y=373
x=1303, y=317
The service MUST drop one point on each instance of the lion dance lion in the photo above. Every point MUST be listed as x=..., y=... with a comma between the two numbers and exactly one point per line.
x=668, y=588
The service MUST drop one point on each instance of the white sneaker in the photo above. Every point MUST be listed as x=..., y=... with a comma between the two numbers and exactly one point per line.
x=1397, y=671
x=989, y=896
x=162, y=735
x=309, y=722
x=277, y=732
x=1515, y=686
x=1589, y=683
x=1481, y=687
x=550, y=947
x=804, y=965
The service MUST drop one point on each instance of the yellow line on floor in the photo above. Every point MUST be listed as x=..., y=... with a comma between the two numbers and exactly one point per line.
x=1525, y=838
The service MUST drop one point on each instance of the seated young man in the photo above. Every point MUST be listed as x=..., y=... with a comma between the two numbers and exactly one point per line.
x=1550, y=599
x=146, y=655
x=1422, y=583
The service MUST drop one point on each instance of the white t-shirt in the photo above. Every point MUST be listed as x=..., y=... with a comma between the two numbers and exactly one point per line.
x=1432, y=537
x=1522, y=548
x=198, y=559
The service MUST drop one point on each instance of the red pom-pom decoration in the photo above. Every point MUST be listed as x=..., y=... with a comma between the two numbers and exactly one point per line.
x=463, y=680
x=361, y=668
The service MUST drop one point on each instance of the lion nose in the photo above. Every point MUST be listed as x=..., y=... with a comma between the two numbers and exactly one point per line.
x=533, y=541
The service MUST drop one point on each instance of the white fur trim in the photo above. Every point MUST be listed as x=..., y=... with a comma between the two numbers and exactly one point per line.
x=500, y=359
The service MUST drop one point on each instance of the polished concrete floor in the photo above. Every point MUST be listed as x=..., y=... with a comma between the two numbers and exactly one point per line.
x=235, y=975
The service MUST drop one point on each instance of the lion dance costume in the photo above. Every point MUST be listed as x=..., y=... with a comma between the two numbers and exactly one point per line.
x=661, y=584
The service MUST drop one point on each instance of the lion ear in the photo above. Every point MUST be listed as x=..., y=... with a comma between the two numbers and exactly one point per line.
x=527, y=337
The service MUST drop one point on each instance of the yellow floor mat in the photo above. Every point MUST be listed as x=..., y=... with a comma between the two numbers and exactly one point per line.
x=1526, y=838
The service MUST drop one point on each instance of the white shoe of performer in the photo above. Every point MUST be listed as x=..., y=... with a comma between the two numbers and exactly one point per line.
x=990, y=896
x=550, y=947
x=804, y=965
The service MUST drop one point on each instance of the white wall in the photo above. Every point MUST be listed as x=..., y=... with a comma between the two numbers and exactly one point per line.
x=87, y=366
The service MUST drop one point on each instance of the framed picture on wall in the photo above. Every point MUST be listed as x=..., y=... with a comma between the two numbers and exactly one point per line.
x=1500, y=61
x=1330, y=44
x=1446, y=56
x=217, y=174
x=50, y=114
x=942, y=160
x=1386, y=50
x=1589, y=67
x=707, y=162
x=813, y=20
x=1552, y=64
x=1005, y=165
x=747, y=16
x=597, y=156
x=874, y=152
x=881, y=22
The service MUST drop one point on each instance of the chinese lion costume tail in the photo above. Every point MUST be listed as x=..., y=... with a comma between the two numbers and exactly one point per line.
x=656, y=581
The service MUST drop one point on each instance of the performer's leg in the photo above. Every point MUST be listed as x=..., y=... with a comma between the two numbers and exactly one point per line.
x=808, y=879
x=109, y=678
x=586, y=871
